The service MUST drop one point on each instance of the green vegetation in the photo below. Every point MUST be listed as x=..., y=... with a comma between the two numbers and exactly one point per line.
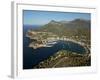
x=65, y=58
x=77, y=30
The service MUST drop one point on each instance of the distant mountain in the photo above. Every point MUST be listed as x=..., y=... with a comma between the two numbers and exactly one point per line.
x=81, y=23
x=68, y=28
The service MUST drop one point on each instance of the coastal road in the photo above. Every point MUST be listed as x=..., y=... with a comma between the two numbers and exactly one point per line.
x=61, y=60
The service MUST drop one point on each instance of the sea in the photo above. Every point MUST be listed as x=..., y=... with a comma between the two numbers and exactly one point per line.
x=32, y=57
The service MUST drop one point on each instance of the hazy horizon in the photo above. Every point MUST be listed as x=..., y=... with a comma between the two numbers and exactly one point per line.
x=31, y=17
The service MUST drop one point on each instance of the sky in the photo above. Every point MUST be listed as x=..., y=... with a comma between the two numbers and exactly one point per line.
x=31, y=17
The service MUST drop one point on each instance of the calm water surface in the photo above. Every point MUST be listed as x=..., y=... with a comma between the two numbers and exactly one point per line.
x=32, y=57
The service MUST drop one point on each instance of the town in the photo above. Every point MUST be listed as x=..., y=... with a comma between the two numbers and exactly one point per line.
x=48, y=39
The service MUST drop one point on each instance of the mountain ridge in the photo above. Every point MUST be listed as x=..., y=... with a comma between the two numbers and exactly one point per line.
x=71, y=27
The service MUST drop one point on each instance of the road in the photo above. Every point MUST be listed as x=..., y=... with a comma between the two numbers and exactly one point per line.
x=60, y=61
